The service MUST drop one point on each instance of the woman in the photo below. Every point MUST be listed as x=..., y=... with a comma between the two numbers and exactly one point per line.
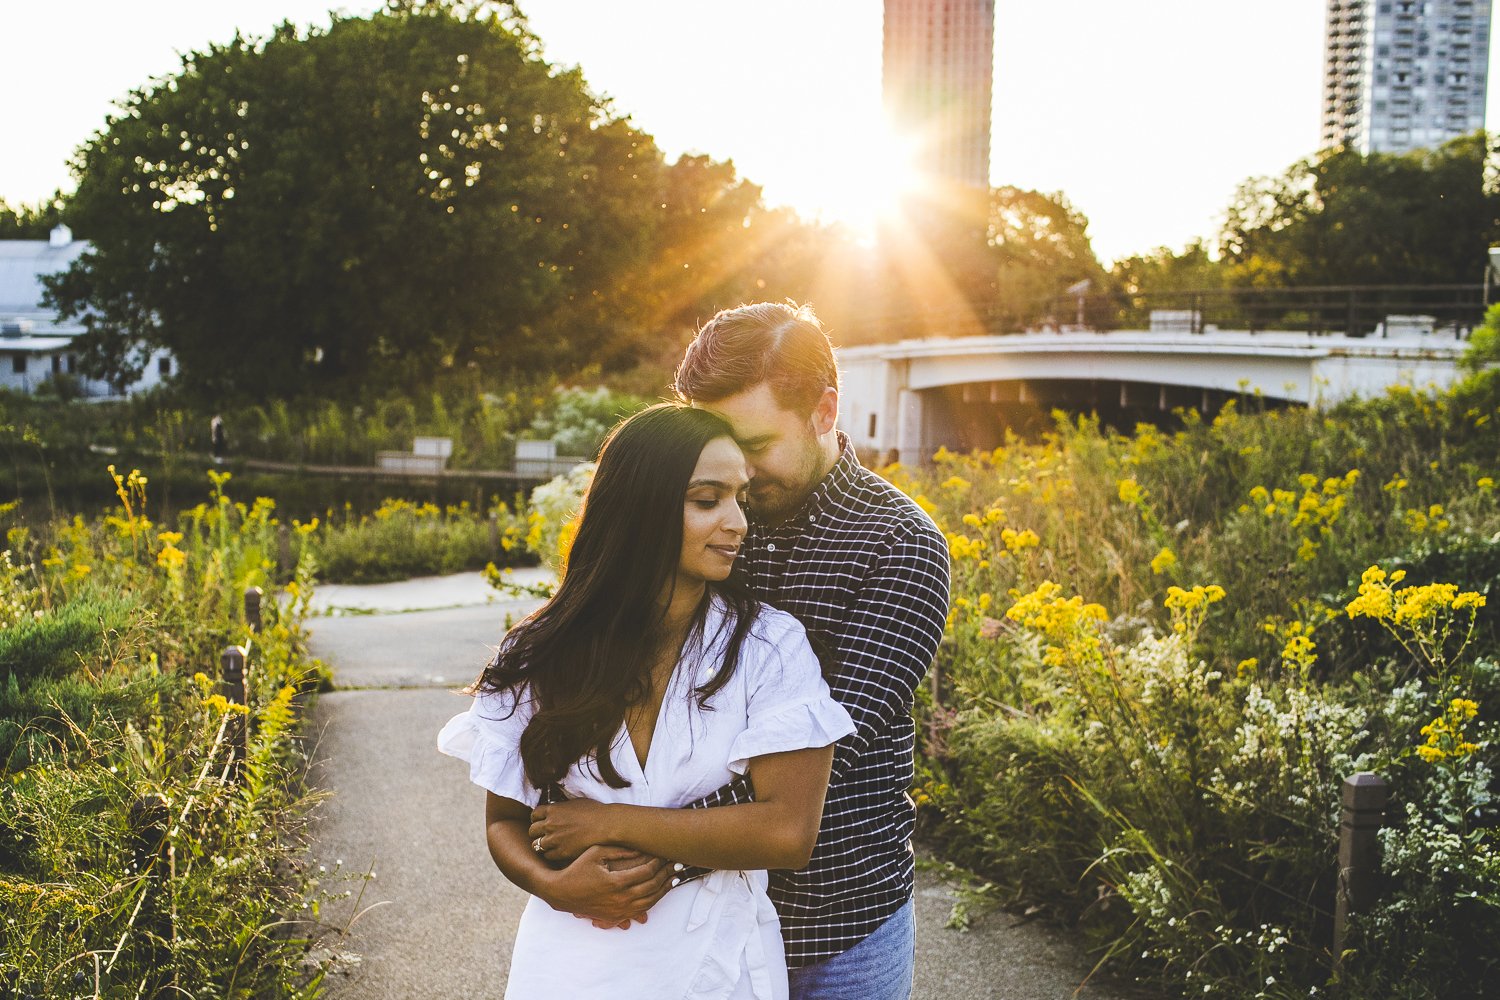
x=646, y=682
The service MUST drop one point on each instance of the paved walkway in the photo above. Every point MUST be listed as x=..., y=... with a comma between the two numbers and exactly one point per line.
x=437, y=921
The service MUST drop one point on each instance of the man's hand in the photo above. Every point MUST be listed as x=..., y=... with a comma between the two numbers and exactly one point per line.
x=611, y=886
x=562, y=831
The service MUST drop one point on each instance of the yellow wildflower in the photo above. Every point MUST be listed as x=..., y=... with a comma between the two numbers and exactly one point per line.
x=222, y=705
x=1131, y=491
x=1015, y=541
x=1163, y=561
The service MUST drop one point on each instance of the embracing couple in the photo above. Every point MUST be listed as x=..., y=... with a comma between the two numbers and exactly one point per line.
x=697, y=752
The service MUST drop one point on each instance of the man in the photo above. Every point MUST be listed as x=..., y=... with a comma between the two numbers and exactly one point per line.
x=866, y=572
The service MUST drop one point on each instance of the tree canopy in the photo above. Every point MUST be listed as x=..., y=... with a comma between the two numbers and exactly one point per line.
x=384, y=199
x=1423, y=217
x=29, y=222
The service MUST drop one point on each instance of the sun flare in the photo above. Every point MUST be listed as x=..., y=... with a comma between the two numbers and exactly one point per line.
x=868, y=192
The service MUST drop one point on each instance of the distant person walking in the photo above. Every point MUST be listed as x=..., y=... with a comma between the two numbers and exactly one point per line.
x=218, y=441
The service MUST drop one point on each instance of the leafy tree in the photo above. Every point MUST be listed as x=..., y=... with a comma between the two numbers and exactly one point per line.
x=379, y=200
x=1163, y=270
x=30, y=222
x=1041, y=248
x=1424, y=217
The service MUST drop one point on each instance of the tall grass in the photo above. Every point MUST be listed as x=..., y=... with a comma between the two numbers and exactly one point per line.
x=111, y=632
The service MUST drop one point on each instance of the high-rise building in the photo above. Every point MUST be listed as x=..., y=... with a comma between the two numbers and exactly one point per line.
x=938, y=63
x=1404, y=74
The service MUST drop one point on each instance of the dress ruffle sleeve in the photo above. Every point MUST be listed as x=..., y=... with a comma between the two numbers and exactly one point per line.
x=789, y=704
x=488, y=736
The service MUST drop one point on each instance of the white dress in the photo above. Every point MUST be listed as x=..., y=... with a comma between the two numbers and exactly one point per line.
x=716, y=938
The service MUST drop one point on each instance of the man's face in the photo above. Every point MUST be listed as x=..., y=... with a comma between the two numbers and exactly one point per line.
x=782, y=448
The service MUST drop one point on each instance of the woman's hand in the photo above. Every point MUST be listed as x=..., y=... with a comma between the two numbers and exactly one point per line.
x=562, y=831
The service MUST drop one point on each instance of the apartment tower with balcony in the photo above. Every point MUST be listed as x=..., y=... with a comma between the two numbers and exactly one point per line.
x=1404, y=74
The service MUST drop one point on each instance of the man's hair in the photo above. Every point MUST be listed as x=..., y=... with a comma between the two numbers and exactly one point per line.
x=780, y=344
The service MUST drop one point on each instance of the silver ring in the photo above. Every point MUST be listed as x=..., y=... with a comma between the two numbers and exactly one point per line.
x=536, y=845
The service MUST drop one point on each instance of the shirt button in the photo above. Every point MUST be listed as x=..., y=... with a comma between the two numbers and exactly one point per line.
x=812, y=517
x=770, y=546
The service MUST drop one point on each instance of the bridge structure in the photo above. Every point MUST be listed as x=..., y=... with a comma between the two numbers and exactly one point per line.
x=904, y=400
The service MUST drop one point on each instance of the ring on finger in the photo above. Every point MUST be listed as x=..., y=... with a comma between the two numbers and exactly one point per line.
x=536, y=845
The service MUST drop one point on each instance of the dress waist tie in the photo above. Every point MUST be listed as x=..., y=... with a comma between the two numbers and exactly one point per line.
x=740, y=911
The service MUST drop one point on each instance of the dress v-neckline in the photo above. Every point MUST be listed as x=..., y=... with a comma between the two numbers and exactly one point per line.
x=661, y=710
x=672, y=678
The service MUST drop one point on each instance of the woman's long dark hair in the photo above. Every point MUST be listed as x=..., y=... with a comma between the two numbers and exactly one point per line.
x=587, y=652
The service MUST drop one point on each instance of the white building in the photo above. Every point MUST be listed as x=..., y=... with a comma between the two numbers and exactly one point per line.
x=937, y=77
x=1404, y=74
x=35, y=344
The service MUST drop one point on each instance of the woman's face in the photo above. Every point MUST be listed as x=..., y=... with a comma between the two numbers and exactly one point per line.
x=713, y=523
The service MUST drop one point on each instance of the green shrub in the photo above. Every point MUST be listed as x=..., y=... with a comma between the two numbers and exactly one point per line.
x=57, y=644
x=403, y=539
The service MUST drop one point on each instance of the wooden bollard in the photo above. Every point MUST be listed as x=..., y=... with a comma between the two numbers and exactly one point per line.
x=150, y=815
x=232, y=682
x=494, y=534
x=252, y=608
x=286, y=567
x=150, y=824
x=1364, y=798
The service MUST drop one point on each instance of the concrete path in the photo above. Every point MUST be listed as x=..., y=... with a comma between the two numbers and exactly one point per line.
x=437, y=920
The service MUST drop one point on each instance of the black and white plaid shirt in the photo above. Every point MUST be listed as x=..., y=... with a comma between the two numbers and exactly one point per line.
x=864, y=569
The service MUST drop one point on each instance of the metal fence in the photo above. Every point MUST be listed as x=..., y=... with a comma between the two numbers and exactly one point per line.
x=1350, y=310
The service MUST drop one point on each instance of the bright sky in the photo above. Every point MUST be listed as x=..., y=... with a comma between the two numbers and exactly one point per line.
x=1146, y=115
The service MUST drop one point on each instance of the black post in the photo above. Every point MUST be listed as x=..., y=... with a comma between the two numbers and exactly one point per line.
x=252, y=608
x=1353, y=307
x=150, y=821
x=1364, y=799
x=285, y=565
x=232, y=686
x=149, y=817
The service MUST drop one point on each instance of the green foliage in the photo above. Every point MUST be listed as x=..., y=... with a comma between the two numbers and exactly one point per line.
x=30, y=222
x=459, y=205
x=54, y=645
x=1164, y=766
x=1342, y=217
x=578, y=419
x=110, y=634
x=403, y=539
x=445, y=182
x=552, y=514
x=1484, y=343
x=1040, y=246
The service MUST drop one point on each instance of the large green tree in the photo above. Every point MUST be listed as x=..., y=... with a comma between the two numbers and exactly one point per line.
x=373, y=201
x=1425, y=217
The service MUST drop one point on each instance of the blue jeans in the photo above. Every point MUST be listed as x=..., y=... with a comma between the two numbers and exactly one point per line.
x=878, y=968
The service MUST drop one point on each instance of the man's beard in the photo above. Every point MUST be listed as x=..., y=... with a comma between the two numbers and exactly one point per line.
x=782, y=498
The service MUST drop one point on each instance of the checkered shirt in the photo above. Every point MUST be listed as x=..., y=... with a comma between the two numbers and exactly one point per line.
x=864, y=569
